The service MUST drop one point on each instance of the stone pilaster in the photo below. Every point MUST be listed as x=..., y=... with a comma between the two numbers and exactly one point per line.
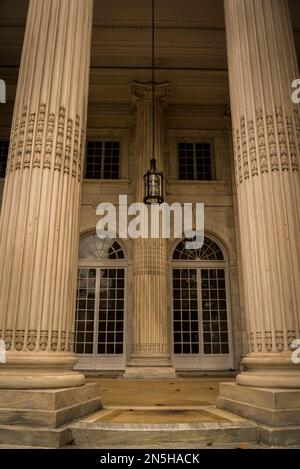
x=262, y=65
x=39, y=227
x=151, y=347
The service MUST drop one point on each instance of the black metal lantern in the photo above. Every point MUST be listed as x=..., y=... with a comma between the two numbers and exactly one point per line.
x=153, y=185
x=153, y=179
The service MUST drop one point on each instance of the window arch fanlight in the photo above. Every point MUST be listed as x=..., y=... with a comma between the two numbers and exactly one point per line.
x=91, y=247
x=210, y=251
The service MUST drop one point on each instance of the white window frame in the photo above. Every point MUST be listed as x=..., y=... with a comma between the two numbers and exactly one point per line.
x=95, y=361
x=202, y=362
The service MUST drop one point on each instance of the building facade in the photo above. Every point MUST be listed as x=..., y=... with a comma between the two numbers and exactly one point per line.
x=78, y=118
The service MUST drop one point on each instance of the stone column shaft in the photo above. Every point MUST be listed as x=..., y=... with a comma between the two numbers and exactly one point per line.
x=39, y=226
x=151, y=321
x=262, y=65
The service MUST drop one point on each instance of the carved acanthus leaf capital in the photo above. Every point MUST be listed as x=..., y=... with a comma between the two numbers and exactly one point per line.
x=142, y=92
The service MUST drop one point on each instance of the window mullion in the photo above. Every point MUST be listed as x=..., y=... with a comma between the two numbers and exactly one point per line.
x=102, y=160
x=195, y=161
x=200, y=315
x=96, y=313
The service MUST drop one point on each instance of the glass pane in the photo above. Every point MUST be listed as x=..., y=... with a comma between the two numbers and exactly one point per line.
x=111, y=312
x=185, y=311
x=214, y=312
x=203, y=161
x=85, y=307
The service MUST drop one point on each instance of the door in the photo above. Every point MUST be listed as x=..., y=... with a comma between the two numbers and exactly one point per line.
x=100, y=312
x=201, y=319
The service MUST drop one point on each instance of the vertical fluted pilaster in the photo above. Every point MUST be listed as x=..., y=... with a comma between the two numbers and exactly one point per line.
x=39, y=227
x=262, y=65
x=151, y=322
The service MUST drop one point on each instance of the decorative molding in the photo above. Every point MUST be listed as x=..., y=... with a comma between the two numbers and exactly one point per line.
x=33, y=341
x=279, y=341
x=150, y=257
x=59, y=138
x=269, y=342
x=44, y=340
x=21, y=135
x=266, y=144
x=259, y=343
x=29, y=140
x=19, y=340
x=39, y=135
x=150, y=348
x=40, y=140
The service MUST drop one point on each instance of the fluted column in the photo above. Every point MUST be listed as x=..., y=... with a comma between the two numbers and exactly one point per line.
x=151, y=321
x=39, y=226
x=266, y=132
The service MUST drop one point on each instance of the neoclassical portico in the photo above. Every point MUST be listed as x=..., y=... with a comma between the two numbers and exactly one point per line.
x=39, y=225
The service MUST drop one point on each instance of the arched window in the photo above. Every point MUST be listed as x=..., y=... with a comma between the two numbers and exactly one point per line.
x=100, y=306
x=92, y=247
x=201, y=328
x=210, y=251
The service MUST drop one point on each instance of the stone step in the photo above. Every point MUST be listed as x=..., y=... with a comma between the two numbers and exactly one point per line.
x=25, y=436
x=48, y=408
x=273, y=407
x=100, y=431
x=104, y=435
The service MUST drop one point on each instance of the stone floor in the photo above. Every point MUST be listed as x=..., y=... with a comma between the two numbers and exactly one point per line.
x=179, y=392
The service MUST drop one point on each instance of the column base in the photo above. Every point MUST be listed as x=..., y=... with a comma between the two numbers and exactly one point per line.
x=269, y=370
x=150, y=372
x=31, y=370
x=41, y=417
x=150, y=366
x=272, y=407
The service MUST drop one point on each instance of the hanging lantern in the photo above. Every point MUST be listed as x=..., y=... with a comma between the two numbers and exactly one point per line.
x=153, y=179
x=153, y=185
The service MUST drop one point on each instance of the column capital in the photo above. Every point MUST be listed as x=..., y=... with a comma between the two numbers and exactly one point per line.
x=142, y=92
